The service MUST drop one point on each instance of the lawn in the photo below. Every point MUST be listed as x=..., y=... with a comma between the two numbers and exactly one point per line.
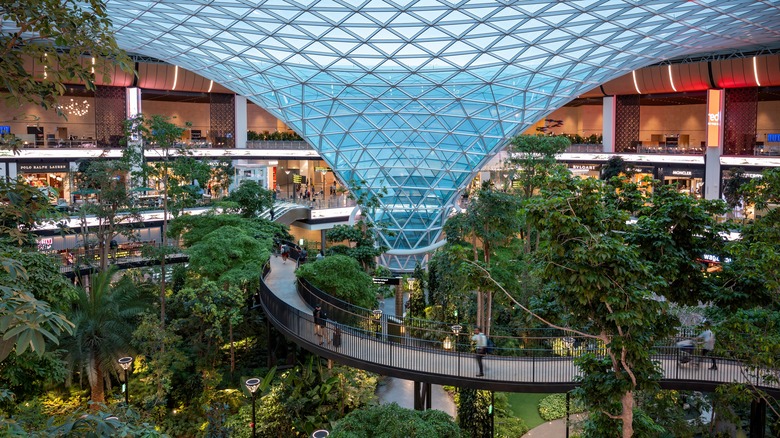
x=526, y=406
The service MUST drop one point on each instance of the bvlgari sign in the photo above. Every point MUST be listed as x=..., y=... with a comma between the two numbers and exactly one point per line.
x=43, y=167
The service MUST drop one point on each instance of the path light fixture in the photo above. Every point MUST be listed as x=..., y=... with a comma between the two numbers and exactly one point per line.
x=377, y=317
x=456, y=331
x=252, y=385
x=447, y=344
x=322, y=433
x=125, y=363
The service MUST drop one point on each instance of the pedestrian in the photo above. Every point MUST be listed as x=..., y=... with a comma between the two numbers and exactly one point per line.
x=113, y=245
x=707, y=340
x=285, y=250
x=303, y=255
x=337, y=336
x=317, y=316
x=320, y=256
x=324, y=326
x=480, y=340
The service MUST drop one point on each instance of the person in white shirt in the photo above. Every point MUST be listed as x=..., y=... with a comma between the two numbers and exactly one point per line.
x=707, y=340
x=480, y=340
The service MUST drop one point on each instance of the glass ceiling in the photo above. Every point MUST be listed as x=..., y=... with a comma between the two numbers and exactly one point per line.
x=416, y=95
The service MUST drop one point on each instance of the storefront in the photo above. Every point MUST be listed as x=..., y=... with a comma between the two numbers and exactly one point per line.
x=51, y=178
x=585, y=170
x=687, y=179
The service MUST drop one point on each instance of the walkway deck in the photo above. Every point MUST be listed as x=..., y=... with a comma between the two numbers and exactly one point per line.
x=371, y=351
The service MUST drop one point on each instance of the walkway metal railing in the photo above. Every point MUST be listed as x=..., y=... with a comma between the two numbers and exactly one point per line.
x=130, y=253
x=541, y=363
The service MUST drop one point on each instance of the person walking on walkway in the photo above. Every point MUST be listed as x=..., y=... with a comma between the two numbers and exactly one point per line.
x=480, y=340
x=707, y=339
x=317, y=314
x=285, y=250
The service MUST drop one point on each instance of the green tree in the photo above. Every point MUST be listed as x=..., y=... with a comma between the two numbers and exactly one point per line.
x=607, y=287
x=109, y=179
x=492, y=220
x=251, y=199
x=22, y=209
x=473, y=412
x=532, y=160
x=393, y=421
x=360, y=238
x=158, y=133
x=57, y=35
x=233, y=258
x=104, y=321
x=674, y=232
x=615, y=166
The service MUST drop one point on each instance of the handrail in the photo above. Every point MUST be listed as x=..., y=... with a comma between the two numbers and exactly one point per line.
x=387, y=347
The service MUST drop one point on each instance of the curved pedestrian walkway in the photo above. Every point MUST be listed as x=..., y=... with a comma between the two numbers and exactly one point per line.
x=364, y=347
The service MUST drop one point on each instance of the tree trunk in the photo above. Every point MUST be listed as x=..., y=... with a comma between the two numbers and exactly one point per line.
x=480, y=310
x=628, y=414
x=232, y=350
x=95, y=376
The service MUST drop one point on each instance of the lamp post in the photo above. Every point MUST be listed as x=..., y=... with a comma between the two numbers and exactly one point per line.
x=323, y=171
x=456, y=331
x=252, y=385
x=287, y=180
x=377, y=320
x=125, y=363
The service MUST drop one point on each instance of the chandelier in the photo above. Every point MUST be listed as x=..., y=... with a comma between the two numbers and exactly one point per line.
x=75, y=108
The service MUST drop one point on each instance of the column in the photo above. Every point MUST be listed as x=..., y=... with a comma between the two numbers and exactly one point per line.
x=626, y=123
x=740, y=114
x=222, y=120
x=133, y=109
x=608, y=123
x=241, y=122
x=110, y=112
x=713, y=143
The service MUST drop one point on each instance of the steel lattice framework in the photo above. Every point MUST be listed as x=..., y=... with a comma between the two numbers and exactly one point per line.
x=416, y=95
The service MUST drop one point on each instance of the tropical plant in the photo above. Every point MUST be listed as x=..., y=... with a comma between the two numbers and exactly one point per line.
x=104, y=320
x=25, y=321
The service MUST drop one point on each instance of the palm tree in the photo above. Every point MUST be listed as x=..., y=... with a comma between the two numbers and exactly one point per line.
x=104, y=319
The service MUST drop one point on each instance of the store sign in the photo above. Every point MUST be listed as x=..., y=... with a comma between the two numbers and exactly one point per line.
x=45, y=243
x=43, y=167
x=771, y=138
x=387, y=281
x=322, y=169
x=682, y=172
x=584, y=166
x=5, y=130
x=714, y=117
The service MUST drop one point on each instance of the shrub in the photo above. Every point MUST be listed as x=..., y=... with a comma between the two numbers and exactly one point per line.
x=553, y=407
x=342, y=277
x=393, y=421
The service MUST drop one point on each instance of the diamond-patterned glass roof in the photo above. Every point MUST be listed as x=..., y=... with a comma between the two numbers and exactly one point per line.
x=415, y=95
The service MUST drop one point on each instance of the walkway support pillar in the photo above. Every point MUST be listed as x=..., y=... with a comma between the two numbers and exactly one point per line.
x=758, y=418
x=422, y=396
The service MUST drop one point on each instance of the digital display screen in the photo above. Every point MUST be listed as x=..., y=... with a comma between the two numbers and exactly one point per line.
x=714, y=117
